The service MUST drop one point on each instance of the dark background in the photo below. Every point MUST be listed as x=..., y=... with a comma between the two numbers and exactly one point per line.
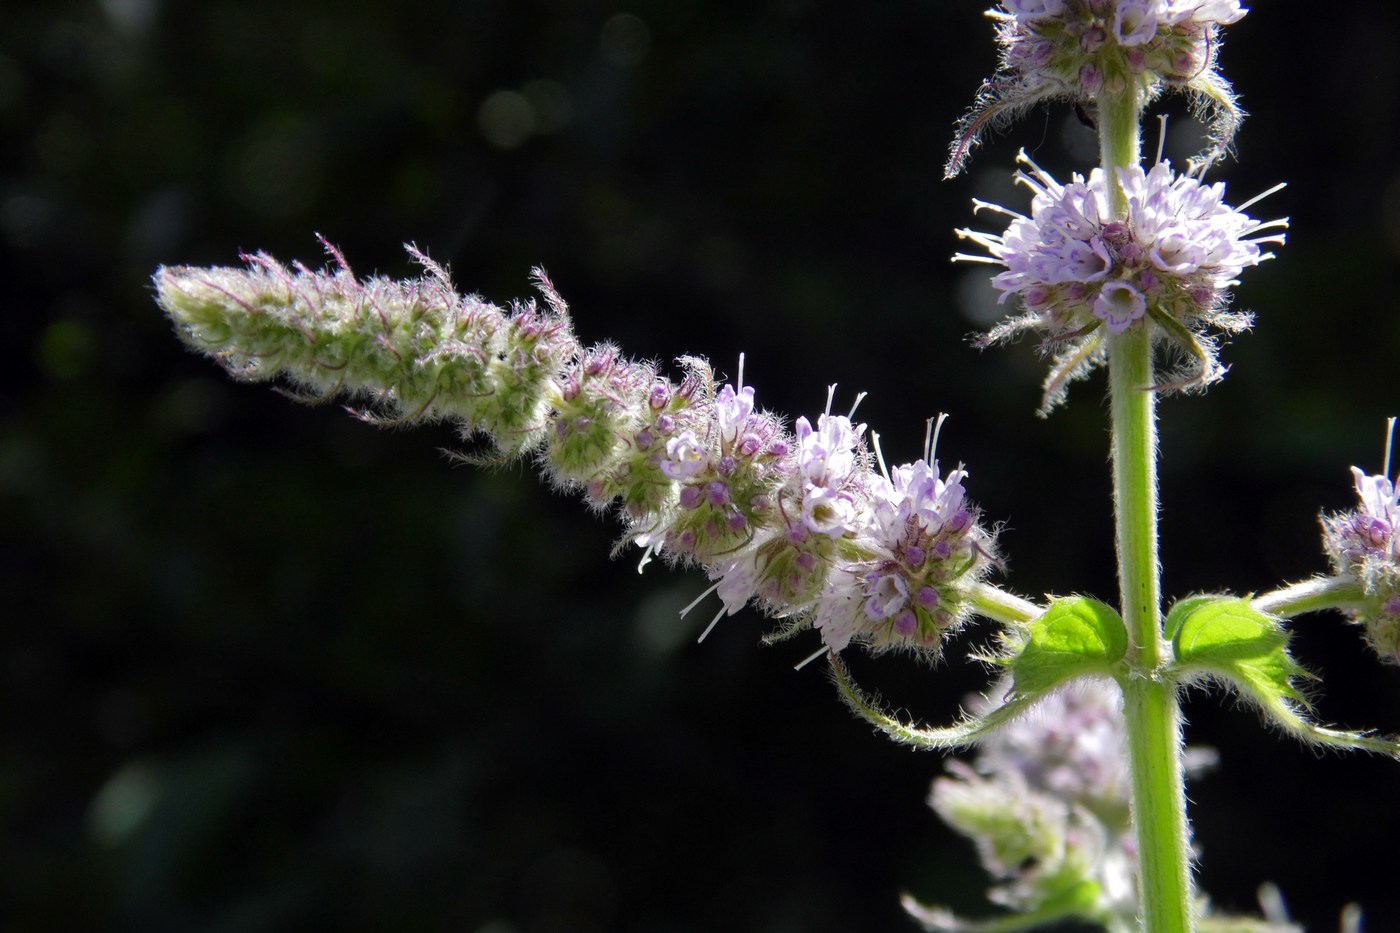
x=265, y=667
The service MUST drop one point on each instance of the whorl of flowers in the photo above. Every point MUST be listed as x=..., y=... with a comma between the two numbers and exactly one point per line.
x=1078, y=50
x=1078, y=272
x=1046, y=803
x=803, y=523
x=1365, y=544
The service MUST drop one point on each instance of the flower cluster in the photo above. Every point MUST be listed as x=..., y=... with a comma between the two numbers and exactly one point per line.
x=803, y=523
x=1078, y=50
x=883, y=558
x=1046, y=803
x=1365, y=544
x=1078, y=271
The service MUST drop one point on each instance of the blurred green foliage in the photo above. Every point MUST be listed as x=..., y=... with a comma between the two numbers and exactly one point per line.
x=264, y=667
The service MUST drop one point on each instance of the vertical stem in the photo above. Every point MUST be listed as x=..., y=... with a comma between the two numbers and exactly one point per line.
x=1150, y=708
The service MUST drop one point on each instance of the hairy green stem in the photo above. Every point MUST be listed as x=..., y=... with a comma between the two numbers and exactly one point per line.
x=1344, y=592
x=1002, y=606
x=1150, y=707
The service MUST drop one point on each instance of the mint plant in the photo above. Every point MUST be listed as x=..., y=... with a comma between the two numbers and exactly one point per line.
x=1077, y=807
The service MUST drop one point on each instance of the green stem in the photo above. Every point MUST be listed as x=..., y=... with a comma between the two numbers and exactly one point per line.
x=1002, y=606
x=1151, y=711
x=1344, y=592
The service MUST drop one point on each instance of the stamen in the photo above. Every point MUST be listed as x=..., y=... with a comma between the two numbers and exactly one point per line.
x=978, y=205
x=808, y=660
x=986, y=240
x=1259, y=197
x=1161, y=137
x=651, y=549
x=697, y=600
x=740, y=386
x=1389, y=438
x=879, y=456
x=964, y=257
x=1280, y=223
x=931, y=444
x=856, y=404
x=1043, y=180
x=711, y=627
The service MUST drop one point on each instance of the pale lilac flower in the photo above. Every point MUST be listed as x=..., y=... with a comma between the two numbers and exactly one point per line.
x=686, y=457
x=732, y=410
x=1168, y=264
x=828, y=511
x=1034, y=9
x=826, y=455
x=888, y=595
x=1134, y=22
x=840, y=614
x=915, y=492
x=826, y=461
x=1119, y=305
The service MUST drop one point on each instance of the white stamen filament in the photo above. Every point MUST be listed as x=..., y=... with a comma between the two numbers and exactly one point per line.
x=1259, y=197
x=711, y=627
x=808, y=660
x=931, y=443
x=1389, y=439
x=879, y=456
x=697, y=600
x=978, y=204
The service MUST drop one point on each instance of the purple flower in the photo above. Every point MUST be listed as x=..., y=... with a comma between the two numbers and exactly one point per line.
x=1119, y=305
x=686, y=457
x=1169, y=263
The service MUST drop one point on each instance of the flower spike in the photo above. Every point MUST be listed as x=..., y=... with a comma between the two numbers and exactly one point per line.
x=798, y=521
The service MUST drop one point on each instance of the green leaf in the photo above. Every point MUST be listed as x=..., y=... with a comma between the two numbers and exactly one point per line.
x=1075, y=637
x=1226, y=636
x=1182, y=610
